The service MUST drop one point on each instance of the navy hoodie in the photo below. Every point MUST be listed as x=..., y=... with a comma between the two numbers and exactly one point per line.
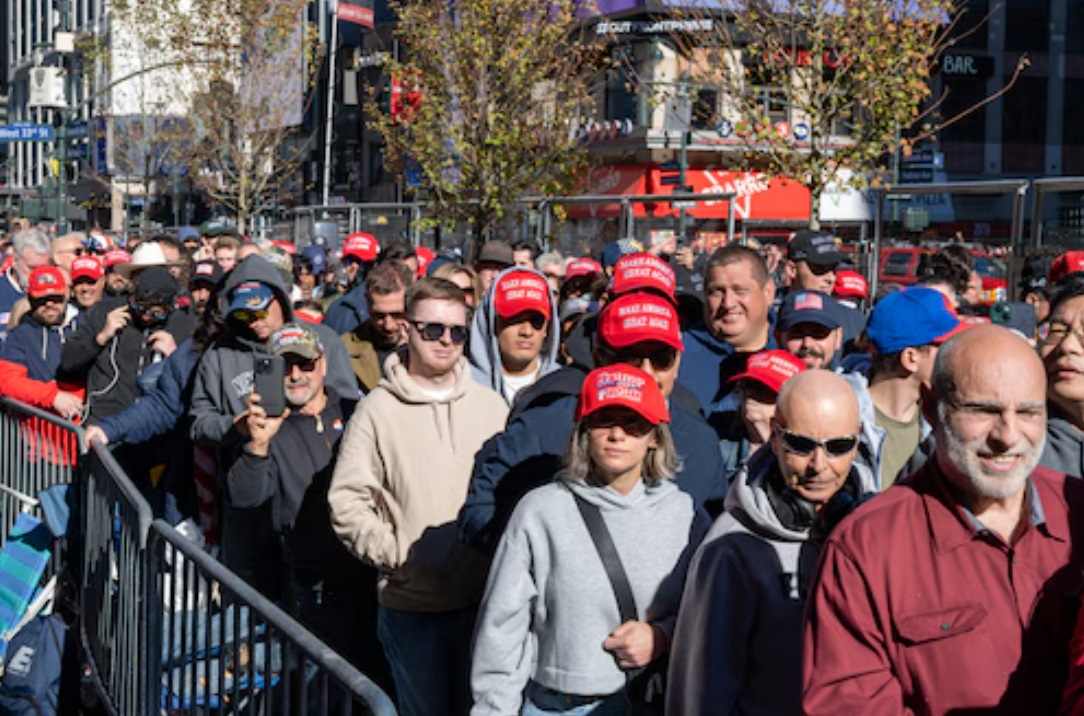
x=528, y=454
x=348, y=312
x=35, y=346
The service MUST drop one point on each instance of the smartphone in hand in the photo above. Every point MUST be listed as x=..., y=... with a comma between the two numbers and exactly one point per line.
x=268, y=383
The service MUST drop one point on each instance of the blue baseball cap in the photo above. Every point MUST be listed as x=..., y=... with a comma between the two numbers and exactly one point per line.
x=911, y=317
x=809, y=307
x=251, y=296
x=612, y=253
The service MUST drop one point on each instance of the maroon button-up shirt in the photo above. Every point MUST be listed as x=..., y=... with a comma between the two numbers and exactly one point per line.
x=918, y=609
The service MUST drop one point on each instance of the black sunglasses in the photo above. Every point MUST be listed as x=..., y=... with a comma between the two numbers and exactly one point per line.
x=804, y=445
x=661, y=357
x=435, y=331
x=630, y=422
x=307, y=365
x=537, y=320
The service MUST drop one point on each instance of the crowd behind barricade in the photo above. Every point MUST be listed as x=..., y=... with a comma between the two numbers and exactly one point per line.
x=646, y=481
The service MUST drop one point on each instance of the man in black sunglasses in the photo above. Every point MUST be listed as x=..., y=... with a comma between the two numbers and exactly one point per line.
x=781, y=502
x=403, y=469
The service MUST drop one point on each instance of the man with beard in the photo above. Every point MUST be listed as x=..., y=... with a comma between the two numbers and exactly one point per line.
x=201, y=284
x=385, y=329
x=117, y=283
x=284, y=470
x=809, y=328
x=30, y=356
x=956, y=591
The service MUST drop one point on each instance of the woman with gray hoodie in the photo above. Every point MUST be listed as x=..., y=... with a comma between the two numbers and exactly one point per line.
x=549, y=637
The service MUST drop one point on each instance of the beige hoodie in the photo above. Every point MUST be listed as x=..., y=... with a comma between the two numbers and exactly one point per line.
x=404, y=466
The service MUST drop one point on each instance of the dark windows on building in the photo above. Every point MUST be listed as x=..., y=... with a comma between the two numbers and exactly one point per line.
x=1024, y=126
x=1027, y=25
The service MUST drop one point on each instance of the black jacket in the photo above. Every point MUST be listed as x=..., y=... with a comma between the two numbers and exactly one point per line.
x=279, y=502
x=112, y=370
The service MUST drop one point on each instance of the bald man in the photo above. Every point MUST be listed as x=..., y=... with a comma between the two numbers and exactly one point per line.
x=737, y=647
x=955, y=591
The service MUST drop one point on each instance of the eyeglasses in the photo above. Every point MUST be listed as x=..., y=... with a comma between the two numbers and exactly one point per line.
x=804, y=445
x=155, y=312
x=306, y=365
x=246, y=316
x=1053, y=333
x=433, y=331
x=662, y=357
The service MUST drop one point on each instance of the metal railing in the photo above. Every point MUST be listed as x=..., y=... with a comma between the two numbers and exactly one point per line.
x=168, y=629
x=37, y=451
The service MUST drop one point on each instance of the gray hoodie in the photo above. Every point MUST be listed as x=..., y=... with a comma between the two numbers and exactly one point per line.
x=225, y=373
x=1064, y=449
x=485, y=356
x=737, y=645
x=549, y=605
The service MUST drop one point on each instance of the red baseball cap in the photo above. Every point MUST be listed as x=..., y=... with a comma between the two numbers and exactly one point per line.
x=623, y=386
x=425, y=256
x=116, y=256
x=46, y=281
x=1067, y=263
x=517, y=291
x=361, y=245
x=287, y=246
x=86, y=267
x=643, y=272
x=582, y=267
x=851, y=284
x=638, y=318
x=772, y=368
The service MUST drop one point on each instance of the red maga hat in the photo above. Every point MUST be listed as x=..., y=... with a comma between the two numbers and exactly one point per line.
x=362, y=246
x=86, y=267
x=772, y=368
x=517, y=291
x=851, y=284
x=638, y=318
x=623, y=386
x=46, y=281
x=643, y=272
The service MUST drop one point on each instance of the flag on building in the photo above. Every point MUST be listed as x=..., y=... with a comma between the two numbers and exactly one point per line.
x=359, y=12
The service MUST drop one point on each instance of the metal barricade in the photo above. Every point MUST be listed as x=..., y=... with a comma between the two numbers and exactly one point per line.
x=225, y=647
x=168, y=629
x=116, y=595
x=37, y=450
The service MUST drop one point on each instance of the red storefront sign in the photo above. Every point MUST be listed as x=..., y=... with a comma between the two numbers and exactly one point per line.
x=758, y=197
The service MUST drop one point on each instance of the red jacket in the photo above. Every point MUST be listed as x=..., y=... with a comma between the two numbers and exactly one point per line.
x=915, y=611
x=45, y=440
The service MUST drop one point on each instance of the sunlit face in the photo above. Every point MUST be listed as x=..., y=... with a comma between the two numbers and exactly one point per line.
x=49, y=310
x=618, y=440
x=813, y=343
x=435, y=359
x=87, y=293
x=463, y=280
x=303, y=379
x=737, y=306
x=226, y=258
x=658, y=359
x=523, y=258
x=991, y=432
x=809, y=277
x=819, y=473
x=972, y=295
x=262, y=328
x=386, y=314
x=1062, y=351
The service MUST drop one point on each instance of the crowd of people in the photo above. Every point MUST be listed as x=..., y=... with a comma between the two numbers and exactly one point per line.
x=646, y=481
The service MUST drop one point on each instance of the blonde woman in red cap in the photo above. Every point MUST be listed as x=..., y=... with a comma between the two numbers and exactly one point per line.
x=584, y=588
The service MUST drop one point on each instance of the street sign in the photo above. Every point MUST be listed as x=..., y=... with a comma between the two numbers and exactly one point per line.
x=27, y=133
x=683, y=204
